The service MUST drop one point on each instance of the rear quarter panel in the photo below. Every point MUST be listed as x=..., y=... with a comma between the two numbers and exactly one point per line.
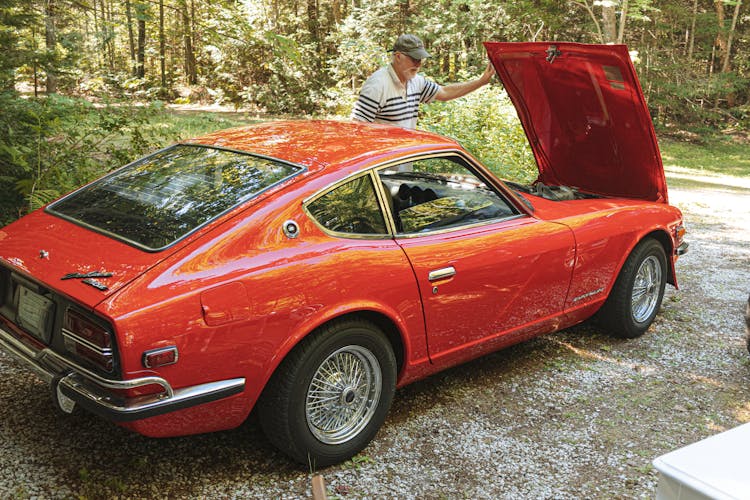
x=275, y=290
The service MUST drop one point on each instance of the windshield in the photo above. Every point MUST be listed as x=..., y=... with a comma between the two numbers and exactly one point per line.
x=159, y=199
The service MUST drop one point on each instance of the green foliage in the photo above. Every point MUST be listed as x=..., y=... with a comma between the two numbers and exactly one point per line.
x=12, y=55
x=719, y=155
x=485, y=123
x=689, y=99
x=311, y=57
x=53, y=145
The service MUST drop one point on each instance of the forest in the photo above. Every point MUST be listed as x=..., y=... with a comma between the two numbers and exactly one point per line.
x=82, y=80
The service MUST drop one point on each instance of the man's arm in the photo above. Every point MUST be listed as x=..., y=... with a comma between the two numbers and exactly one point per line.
x=455, y=90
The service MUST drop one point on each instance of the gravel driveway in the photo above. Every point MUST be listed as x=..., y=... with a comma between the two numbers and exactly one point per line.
x=570, y=415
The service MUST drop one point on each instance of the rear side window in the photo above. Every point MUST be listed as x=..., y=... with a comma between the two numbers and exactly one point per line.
x=161, y=198
x=351, y=208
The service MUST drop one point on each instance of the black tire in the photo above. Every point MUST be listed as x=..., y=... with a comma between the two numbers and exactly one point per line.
x=313, y=411
x=637, y=294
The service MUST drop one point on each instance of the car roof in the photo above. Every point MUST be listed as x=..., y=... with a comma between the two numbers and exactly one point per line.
x=324, y=143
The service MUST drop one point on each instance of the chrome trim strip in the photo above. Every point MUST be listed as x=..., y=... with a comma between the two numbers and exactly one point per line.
x=373, y=170
x=441, y=274
x=682, y=249
x=588, y=294
x=104, y=351
x=125, y=410
x=405, y=236
x=24, y=354
x=90, y=390
x=338, y=234
x=49, y=364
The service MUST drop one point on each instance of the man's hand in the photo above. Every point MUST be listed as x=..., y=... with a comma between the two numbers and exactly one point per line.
x=461, y=89
x=489, y=72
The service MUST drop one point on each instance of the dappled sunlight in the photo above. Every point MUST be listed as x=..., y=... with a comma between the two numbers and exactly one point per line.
x=742, y=413
x=698, y=177
x=596, y=356
x=638, y=367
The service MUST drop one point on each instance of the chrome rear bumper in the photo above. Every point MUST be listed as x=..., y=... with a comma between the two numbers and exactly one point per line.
x=95, y=393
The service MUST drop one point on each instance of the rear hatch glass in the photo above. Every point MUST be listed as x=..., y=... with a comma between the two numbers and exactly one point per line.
x=162, y=198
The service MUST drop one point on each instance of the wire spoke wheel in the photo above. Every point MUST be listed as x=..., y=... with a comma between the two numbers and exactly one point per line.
x=637, y=293
x=646, y=289
x=343, y=394
x=330, y=395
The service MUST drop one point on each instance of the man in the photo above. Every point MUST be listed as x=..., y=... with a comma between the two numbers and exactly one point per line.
x=393, y=93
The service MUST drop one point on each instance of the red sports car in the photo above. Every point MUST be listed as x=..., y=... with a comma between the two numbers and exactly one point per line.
x=307, y=269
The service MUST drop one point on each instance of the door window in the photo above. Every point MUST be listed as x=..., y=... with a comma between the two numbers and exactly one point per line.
x=440, y=193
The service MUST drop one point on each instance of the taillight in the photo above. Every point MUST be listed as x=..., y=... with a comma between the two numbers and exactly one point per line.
x=160, y=357
x=679, y=233
x=88, y=340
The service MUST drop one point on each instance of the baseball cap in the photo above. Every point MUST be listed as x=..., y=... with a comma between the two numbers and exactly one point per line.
x=410, y=45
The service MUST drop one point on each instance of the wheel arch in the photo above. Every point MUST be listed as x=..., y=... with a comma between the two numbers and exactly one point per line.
x=665, y=240
x=394, y=335
x=388, y=327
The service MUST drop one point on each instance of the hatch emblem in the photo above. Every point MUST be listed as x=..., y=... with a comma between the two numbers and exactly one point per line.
x=92, y=274
x=88, y=278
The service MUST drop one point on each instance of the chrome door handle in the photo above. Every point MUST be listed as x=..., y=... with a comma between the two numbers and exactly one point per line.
x=441, y=274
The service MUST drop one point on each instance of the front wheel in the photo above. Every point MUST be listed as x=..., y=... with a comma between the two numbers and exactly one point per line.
x=636, y=296
x=330, y=396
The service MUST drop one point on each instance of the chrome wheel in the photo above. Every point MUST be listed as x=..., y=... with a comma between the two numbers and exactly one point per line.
x=646, y=289
x=636, y=295
x=343, y=394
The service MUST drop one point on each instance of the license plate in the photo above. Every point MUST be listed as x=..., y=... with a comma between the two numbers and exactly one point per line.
x=34, y=312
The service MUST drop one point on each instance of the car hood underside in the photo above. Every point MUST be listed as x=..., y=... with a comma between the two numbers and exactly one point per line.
x=584, y=113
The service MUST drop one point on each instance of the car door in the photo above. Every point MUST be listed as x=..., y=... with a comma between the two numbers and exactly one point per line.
x=487, y=273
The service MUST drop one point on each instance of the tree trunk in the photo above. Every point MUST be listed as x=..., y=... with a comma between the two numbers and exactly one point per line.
x=405, y=12
x=623, y=19
x=109, y=34
x=336, y=12
x=131, y=38
x=590, y=10
x=162, y=47
x=50, y=37
x=726, y=66
x=721, y=42
x=141, y=51
x=609, y=22
x=97, y=37
x=312, y=20
x=194, y=36
x=691, y=42
x=187, y=39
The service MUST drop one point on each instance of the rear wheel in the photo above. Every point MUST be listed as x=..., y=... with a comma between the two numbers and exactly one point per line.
x=636, y=296
x=330, y=396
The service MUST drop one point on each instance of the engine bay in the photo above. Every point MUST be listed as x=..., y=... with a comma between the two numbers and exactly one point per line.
x=553, y=193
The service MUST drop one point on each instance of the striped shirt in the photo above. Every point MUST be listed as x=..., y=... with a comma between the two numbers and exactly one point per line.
x=384, y=99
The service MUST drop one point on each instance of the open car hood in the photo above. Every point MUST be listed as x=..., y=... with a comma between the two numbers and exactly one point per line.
x=584, y=113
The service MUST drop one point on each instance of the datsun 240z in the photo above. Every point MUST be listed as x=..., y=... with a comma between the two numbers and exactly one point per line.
x=306, y=269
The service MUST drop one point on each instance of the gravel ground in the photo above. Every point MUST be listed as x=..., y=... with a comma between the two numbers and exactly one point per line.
x=576, y=414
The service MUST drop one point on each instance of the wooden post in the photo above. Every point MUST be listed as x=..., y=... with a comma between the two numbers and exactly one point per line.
x=319, y=488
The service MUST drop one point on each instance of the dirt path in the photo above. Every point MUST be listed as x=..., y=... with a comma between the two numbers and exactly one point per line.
x=571, y=415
